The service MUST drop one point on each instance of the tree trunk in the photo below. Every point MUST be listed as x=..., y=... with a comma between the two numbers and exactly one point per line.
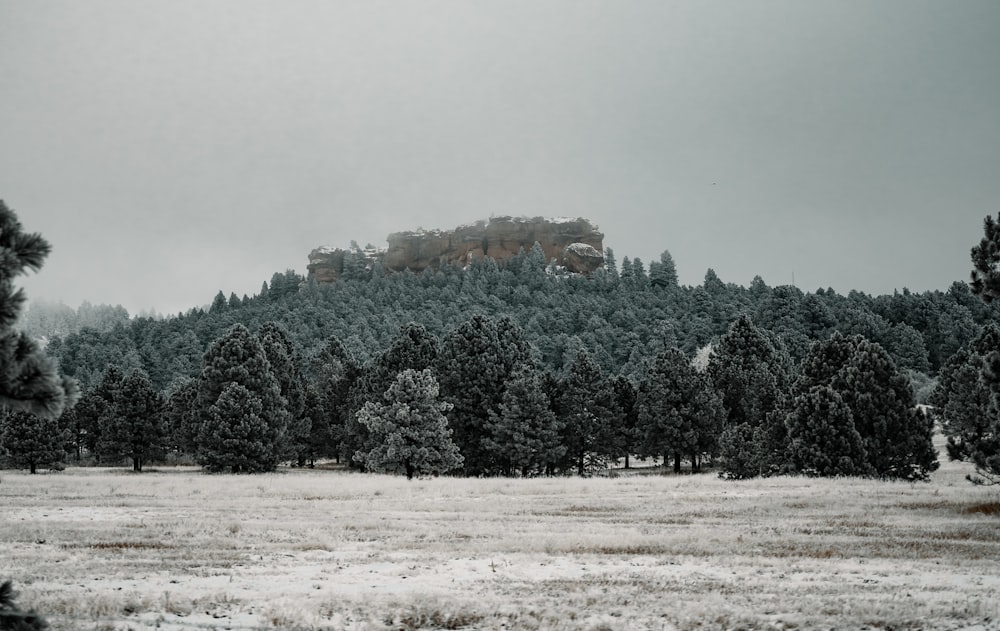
x=677, y=462
x=31, y=466
x=409, y=471
x=580, y=464
x=626, y=461
x=136, y=464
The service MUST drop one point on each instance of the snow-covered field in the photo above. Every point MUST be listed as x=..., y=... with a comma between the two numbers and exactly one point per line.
x=178, y=549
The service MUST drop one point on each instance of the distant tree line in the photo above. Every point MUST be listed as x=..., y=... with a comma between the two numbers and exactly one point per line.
x=521, y=369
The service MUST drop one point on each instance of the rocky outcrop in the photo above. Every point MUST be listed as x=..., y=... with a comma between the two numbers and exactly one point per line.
x=574, y=243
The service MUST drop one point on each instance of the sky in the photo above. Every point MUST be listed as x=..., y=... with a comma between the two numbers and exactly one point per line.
x=169, y=150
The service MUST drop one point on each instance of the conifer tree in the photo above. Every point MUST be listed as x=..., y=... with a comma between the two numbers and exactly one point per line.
x=335, y=374
x=181, y=419
x=589, y=413
x=750, y=370
x=132, y=426
x=285, y=362
x=32, y=441
x=95, y=404
x=897, y=437
x=29, y=381
x=822, y=438
x=413, y=348
x=966, y=402
x=679, y=414
x=235, y=434
x=524, y=434
x=410, y=431
x=238, y=357
x=476, y=362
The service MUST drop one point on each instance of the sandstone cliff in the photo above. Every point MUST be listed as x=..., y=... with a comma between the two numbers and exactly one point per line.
x=573, y=243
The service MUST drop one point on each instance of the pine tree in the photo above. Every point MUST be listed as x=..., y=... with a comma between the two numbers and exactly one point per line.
x=663, y=273
x=476, y=362
x=590, y=415
x=95, y=404
x=965, y=400
x=12, y=618
x=750, y=370
x=679, y=414
x=238, y=357
x=410, y=430
x=986, y=261
x=335, y=374
x=236, y=435
x=822, y=438
x=524, y=435
x=897, y=437
x=413, y=348
x=181, y=419
x=31, y=440
x=29, y=381
x=132, y=426
x=285, y=362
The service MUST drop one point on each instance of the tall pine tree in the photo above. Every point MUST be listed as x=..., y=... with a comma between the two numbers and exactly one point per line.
x=29, y=381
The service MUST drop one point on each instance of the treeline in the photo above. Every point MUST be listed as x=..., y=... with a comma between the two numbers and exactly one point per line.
x=479, y=402
x=516, y=370
x=623, y=316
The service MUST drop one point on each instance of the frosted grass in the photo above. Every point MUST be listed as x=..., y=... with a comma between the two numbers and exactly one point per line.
x=178, y=549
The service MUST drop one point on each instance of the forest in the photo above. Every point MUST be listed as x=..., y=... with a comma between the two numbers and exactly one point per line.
x=523, y=369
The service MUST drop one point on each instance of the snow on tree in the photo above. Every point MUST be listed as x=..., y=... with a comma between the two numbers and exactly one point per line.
x=822, y=438
x=132, y=425
x=477, y=361
x=410, y=430
x=31, y=440
x=524, y=434
x=896, y=435
x=238, y=357
x=236, y=435
x=29, y=381
x=679, y=414
x=966, y=402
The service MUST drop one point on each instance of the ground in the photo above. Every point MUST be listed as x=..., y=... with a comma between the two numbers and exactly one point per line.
x=178, y=549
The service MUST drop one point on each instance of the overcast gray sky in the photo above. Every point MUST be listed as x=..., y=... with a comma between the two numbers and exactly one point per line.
x=169, y=150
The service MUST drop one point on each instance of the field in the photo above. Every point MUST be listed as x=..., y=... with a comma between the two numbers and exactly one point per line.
x=177, y=549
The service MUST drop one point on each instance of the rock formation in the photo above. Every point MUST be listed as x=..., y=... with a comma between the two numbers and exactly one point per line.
x=574, y=243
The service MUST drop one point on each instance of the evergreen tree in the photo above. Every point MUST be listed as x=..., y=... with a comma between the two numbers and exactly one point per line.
x=181, y=419
x=966, y=403
x=414, y=349
x=626, y=398
x=410, y=431
x=476, y=362
x=822, y=438
x=750, y=371
x=236, y=435
x=986, y=261
x=31, y=440
x=285, y=363
x=95, y=404
x=238, y=357
x=524, y=435
x=29, y=381
x=897, y=437
x=13, y=618
x=679, y=414
x=663, y=273
x=132, y=426
x=335, y=374
x=590, y=415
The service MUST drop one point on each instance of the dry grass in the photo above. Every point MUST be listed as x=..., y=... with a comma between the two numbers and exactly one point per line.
x=177, y=549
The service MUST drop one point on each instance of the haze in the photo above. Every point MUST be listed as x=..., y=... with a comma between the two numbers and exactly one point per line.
x=171, y=150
